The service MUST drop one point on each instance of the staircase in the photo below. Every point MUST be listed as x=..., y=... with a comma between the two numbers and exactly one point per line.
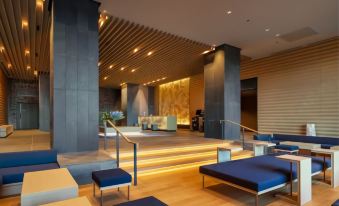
x=153, y=161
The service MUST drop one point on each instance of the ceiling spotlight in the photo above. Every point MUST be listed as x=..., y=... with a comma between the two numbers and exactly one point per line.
x=28, y=67
x=163, y=78
x=26, y=52
x=277, y=35
x=135, y=50
x=111, y=66
x=229, y=12
x=24, y=24
x=9, y=65
x=144, y=84
x=122, y=68
x=133, y=70
x=99, y=63
x=153, y=81
x=2, y=49
x=149, y=53
x=35, y=72
x=105, y=77
x=205, y=52
x=39, y=3
x=267, y=29
x=158, y=80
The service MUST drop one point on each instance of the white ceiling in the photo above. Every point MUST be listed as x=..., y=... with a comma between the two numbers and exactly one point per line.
x=206, y=21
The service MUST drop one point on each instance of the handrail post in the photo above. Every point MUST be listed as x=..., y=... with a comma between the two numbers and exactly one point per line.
x=222, y=129
x=135, y=165
x=117, y=148
x=243, y=138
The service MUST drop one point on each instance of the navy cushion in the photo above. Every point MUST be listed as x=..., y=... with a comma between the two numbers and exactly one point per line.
x=16, y=174
x=257, y=173
x=147, y=201
x=287, y=147
x=307, y=139
x=104, y=178
x=262, y=137
x=326, y=146
x=16, y=159
x=336, y=203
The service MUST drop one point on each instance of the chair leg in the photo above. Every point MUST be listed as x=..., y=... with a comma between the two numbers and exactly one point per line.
x=128, y=193
x=101, y=199
x=93, y=189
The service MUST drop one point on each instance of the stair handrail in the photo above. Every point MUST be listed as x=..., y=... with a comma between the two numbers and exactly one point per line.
x=135, y=149
x=243, y=127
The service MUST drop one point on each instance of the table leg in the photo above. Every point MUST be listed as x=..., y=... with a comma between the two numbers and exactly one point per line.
x=291, y=178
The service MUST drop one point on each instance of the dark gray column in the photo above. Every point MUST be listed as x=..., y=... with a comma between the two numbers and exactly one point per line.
x=136, y=100
x=44, y=121
x=222, y=92
x=74, y=75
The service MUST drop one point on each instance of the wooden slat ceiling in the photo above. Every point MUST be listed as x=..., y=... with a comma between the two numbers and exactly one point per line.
x=172, y=57
x=24, y=38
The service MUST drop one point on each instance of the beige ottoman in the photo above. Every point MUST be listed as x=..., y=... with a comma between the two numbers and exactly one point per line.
x=79, y=201
x=47, y=186
x=6, y=130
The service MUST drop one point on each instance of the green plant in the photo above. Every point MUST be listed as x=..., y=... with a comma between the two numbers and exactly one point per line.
x=112, y=116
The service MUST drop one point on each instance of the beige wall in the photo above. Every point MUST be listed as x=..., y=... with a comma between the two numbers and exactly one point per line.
x=298, y=87
x=3, y=98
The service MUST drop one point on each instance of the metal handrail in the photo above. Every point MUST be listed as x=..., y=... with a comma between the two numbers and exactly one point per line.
x=135, y=149
x=242, y=129
x=242, y=126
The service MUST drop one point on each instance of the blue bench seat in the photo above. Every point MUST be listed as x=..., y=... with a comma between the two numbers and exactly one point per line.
x=147, y=201
x=105, y=178
x=258, y=173
x=287, y=147
x=13, y=165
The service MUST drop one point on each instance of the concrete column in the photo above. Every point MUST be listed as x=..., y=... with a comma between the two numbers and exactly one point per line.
x=44, y=112
x=136, y=100
x=222, y=92
x=74, y=75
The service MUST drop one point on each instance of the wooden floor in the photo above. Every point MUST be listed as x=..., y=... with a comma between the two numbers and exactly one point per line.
x=184, y=188
x=180, y=187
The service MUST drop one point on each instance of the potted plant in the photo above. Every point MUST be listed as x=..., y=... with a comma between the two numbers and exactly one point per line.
x=113, y=116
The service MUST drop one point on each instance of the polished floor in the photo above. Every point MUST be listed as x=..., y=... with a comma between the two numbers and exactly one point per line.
x=184, y=188
x=174, y=187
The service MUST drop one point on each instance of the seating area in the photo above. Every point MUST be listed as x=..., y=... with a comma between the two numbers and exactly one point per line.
x=156, y=103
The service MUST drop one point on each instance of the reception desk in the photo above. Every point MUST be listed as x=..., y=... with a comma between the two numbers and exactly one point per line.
x=167, y=123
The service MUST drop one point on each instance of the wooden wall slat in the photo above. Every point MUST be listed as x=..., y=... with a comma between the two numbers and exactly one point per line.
x=298, y=87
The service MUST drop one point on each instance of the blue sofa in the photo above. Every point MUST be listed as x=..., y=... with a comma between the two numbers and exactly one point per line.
x=13, y=165
x=326, y=142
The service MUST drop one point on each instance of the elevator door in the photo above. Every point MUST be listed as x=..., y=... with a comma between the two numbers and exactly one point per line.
x=27, y=116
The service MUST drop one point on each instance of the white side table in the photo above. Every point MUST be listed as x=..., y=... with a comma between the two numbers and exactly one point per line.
x=304, y=173
x=224, y=154
x=334, y=154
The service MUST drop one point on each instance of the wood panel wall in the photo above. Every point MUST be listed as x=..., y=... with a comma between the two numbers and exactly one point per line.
x=3, y=98
x=298, y=87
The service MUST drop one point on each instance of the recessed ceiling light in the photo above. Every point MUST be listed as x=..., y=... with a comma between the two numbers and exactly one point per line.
x=163, y=78
x=133, y=70
x=39, y=3
x=2, y=49
x=158, y=80
x=28, y=67
x=106, y=77
x=229, y=12
x=99, y=63
x=205, y=52
x=145, y=84
x=24, y=23
x=153, y=81
x=9, y=65
x=149, y=53
x=135, y=50
x=35, y=72
x=267, y=29
x=122, y=68
x=26, y=52
x=111, y=66
x=277, y=35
